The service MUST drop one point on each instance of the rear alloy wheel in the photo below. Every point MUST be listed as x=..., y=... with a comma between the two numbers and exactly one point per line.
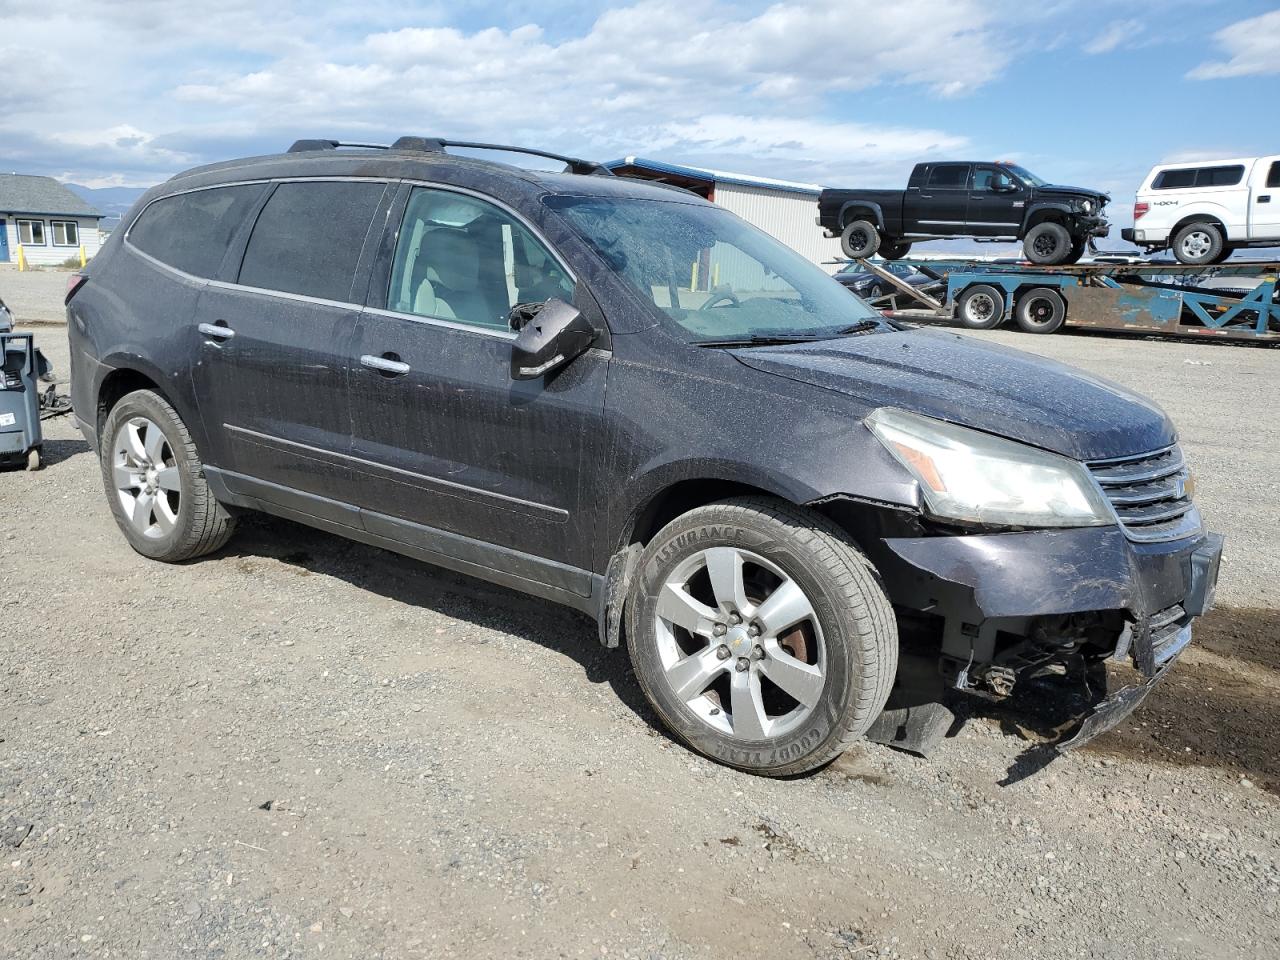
x=1047, y=244
x=155, y=482
x=761, y=635
x=1040, y=310
x=980, y=307
x=1198, y=243
x=859, y=240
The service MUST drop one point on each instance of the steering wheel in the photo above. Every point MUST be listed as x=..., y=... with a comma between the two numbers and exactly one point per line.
x=720, y=297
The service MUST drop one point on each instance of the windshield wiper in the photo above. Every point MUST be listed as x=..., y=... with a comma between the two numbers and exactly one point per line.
x=862, y=326
x=760, y=340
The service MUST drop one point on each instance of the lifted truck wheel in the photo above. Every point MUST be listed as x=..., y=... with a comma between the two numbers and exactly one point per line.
x=980, y=307
x=1047, y=244
x=894, y=251
x=860, y=239
x=1040, y=310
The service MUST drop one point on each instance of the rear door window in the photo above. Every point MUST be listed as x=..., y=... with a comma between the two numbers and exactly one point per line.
x=191, y=231
x=461, y=258
x=949, y=176
x=1273, y=175
x=1219, y=176
x=308, y=238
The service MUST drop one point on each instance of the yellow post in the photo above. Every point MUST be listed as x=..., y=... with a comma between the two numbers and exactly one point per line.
x=83, y=259
x=693, y=276
x=22, y=258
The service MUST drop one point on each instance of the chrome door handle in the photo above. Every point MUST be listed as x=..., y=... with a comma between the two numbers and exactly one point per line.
x=384, y=365
x=220, y=331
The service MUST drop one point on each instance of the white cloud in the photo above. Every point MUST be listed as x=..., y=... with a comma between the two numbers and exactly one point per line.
x=1116, y=33
x=1252, y=47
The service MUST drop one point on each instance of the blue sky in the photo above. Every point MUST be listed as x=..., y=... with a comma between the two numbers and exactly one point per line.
x=847, y=93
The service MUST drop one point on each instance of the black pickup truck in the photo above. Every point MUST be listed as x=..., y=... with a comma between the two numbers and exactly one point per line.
x=985, y=201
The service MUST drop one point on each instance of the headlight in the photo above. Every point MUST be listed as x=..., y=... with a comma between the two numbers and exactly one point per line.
x=1087, y=206
x=974, y=477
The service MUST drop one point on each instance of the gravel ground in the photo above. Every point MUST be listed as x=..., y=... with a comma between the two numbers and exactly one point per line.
x=304, y=747
x=34, y=296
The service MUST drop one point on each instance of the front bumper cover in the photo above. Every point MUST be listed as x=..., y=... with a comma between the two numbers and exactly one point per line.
x=1160, y=587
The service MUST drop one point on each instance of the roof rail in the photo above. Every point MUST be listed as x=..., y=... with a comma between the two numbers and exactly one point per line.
x=437, y=145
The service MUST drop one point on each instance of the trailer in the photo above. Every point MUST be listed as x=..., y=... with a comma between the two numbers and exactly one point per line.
x=1117, y=293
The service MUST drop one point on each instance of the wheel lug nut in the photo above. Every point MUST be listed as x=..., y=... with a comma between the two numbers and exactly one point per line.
x=757, y=653
x=735, y=618
x=719, y=629
x=742, y=664
x=722, y=653
x=753, y=631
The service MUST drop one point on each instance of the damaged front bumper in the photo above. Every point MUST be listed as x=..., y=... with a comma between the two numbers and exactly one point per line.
x=1010, y=601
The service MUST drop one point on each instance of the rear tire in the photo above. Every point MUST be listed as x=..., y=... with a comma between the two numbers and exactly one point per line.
x=894, y=251
x=1198, y=243
x=1047, y=244
x=1040, y=310
x=155, y=482
x=980, y=307
x=817, y=671
x=860, y=239
x=1224, y=255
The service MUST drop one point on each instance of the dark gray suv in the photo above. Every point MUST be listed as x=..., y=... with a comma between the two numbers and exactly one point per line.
x=791, y=510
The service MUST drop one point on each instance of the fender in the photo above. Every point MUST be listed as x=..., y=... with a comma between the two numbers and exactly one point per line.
x=176, y=389
x=876, y=211
x=1207, y=210
x=1037, y=207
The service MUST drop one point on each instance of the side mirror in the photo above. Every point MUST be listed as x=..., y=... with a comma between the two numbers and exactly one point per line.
x=548, y=338
x=1004, y=186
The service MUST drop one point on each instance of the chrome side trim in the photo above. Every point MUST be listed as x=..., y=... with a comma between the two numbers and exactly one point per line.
x=441, y=322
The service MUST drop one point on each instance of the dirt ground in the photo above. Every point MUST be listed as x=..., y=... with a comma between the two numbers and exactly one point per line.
x=304, y=747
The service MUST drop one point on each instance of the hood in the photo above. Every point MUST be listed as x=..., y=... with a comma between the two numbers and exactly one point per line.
x=1059, y=190
x=974, y=384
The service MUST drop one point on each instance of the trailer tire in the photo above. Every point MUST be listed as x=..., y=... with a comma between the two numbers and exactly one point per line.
x=859, y=239
x=1198, y=243
x=894, y=251
x=980, y=307
x=1047, y=244
x=1040, y=310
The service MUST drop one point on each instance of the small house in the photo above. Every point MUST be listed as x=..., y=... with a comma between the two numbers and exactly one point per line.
x=46, y=219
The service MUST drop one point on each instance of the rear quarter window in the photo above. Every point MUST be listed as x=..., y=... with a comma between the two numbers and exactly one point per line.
x=308, y=238
x=191, y=231
x=1187, y=177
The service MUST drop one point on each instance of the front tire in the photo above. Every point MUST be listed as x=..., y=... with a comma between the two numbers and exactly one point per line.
x=1047, y=244
x=1198, y=243
x=155, y=482
x=860, y=239
x=761, y=636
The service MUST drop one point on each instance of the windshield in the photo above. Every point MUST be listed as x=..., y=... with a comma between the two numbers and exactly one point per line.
x=1025, y=175
x=715, y=275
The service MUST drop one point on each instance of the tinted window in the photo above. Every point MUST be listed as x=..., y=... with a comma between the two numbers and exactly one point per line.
x=1219, y=176
x=308, y=238
x=1273, y=175
x=459, y=258
x=191, y=231
x=1187, y=177
x=949, y=175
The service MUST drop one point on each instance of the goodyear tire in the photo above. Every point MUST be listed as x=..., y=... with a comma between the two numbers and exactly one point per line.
x=155, y=481
x=761, y=635
x=859, y=239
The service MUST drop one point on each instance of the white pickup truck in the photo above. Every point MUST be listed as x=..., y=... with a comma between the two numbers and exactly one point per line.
x=1204, y=210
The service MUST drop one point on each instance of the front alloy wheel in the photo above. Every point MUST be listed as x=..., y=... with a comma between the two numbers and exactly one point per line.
x=761, y=635
x=739, y=643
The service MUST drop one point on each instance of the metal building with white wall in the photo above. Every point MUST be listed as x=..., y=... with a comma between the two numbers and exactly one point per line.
x=783, y=208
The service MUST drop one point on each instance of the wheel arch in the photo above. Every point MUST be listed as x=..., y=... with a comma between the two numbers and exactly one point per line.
x=129, y=372
x=1204, y=216
x=1047, y=213
x=862, y=210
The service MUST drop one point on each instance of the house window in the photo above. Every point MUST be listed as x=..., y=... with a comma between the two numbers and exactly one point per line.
x=31, y=233
x=66, y=233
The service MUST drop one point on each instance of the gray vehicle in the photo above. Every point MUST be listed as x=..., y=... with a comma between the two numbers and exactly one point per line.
x=771, y=494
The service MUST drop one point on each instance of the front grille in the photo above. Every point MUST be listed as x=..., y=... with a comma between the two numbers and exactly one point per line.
x=1159, y=638
x=1149, y=494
